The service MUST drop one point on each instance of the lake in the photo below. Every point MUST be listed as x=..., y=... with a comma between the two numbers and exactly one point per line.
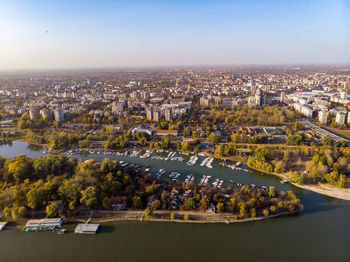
x=320, y=233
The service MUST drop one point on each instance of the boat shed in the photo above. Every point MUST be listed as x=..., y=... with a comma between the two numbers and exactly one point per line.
x=86, y=228
x=43, y=224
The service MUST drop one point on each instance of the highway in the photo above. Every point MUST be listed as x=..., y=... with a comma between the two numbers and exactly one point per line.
x=322, y=131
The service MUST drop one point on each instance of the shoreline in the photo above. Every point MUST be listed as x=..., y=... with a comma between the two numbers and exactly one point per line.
x=323, y=189
x=104, y=216
x=216, y=218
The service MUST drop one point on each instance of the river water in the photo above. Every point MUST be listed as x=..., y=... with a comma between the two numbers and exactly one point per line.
x=320, y=233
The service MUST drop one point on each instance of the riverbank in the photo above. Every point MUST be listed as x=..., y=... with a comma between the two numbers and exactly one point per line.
x=164, y=216
x=197, y=217
x=324, y=189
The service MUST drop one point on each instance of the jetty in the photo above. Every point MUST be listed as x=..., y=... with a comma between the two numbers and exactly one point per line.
x=87, y=228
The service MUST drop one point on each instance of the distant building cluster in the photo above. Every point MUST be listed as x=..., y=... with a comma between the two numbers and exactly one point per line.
x=318, y=104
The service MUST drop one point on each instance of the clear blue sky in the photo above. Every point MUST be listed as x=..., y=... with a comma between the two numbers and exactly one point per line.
x=152, y=33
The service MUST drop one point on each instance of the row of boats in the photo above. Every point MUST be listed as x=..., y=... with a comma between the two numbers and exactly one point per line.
x=204, y=180
x=208, y=162
x=135, y=153
x=189, y=178
x=170, y=157
x=147, y=154
x=160, y=173
x=174, y=176
x=218, y=183
x=193, y=160
x=252, y=186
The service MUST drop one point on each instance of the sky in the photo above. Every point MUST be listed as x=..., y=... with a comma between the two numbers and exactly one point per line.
x=46, y=34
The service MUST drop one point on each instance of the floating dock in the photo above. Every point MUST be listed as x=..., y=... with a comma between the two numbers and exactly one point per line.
x=86, y=228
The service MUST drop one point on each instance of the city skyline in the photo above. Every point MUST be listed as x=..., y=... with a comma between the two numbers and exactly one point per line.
x=60, y=34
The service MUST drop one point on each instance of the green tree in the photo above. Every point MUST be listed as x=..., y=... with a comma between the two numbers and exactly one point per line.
x=204, y=203
x=190, y=203
x=89, y=197
x=35, y=198
x=148, y=212
x=137, y=202
x=272, y=191
x=242, y=209
x=220, y=207
x=273, y=209
x=252, y=212
x=156, y=204
x=106, y=203
x=265, y=212
x=52, y=210
x=341, y=183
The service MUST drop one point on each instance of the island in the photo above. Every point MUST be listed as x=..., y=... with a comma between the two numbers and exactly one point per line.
x=58, y=185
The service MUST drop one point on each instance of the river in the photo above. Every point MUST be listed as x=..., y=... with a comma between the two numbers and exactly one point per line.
x=320, y=233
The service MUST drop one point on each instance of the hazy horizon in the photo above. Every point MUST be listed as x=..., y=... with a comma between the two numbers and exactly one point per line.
x=56, y=35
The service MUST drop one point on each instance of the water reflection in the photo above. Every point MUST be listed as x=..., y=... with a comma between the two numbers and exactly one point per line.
x=4, y=142
x=34, y=148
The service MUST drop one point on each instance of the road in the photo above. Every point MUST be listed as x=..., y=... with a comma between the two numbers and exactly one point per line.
x=322, y=131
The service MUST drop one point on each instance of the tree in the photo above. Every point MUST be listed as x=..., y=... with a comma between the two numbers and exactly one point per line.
x=149, y=190
x=106, y=203
x=137, y=202
x=7, y=212
x=265, y=212
x=89, y=197
x=234, y=138
x=52, y=210
x=143, y=141
x=35, y=198
x=156, y=205
x=341, y=183
x=18, y=212
x=165, y=143
x=272, y=191
x=204, y=204
x=220, y=207
x=297, y=178
x=273, y=209
x=190, y=203
x=242, y=209
x=213, y=138
x=148, y=212
x=21, y=168
x=219, y=150
x=252, y=212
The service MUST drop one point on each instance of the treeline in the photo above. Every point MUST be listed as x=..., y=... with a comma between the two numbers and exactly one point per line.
x=245, y=115
x=25, y=123
x=59, y=184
